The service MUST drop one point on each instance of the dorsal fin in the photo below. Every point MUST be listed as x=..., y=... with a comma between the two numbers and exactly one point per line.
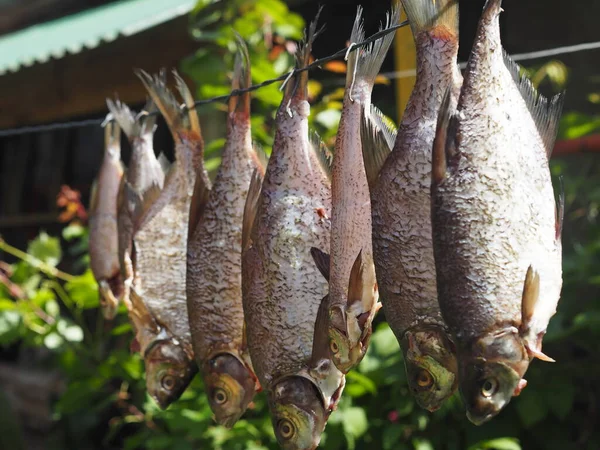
x=250, y=208
x=261, y=158
x=545, y=113
x=322, y=261
x=378, y=138
x=560, y=209
x=323, y=153
x=188, y=99
x=198, y=203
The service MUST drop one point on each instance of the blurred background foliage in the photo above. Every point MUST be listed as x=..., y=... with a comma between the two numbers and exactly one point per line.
x=96, y=390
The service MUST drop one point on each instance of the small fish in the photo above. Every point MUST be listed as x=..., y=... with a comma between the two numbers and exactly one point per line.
x=496, y=224
x=104, y=241
x=353, y=302
x=214, y=264
x=145, y=176
x=401, y=206
x=282, y=289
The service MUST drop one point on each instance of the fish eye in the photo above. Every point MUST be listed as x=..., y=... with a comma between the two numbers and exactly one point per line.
x=286, y=429
x=168, y=382
x=334, y=347
x=489, y=387
x=424, y=379
x=219, y=396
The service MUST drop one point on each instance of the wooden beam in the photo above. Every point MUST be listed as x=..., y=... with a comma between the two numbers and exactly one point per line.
x=79, y=84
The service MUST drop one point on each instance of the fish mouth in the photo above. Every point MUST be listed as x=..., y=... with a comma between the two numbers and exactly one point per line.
x=477, y=419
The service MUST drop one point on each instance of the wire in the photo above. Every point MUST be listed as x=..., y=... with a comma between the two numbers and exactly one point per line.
x=221, y=98
x=317, y=63
x=515, y=57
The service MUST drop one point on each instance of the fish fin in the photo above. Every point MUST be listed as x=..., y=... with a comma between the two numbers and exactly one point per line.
x=141, y=205
x=165, y=164
x=198, y=203
x=545, y=112
x=297, y=86
x=538, y=354
x=560, y=210
x=320, y=348
x=139, y=312
x=124, y=117
x=323, y=153
x=250, y=208
x=261, y=159
x=425, y=15
x=164, y=100
x=322, y=261
x=356, y=280
x=190, y=103
x=377, y=142
x=531, y=294
x=242, y=79
x=147, y=117
x=94, y=196
x=439, y=163
x=365, y=63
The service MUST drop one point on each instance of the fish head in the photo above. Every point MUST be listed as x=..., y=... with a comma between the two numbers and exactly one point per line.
x=297, y=413
x=491, y=374
x=343, y=354
x=169, y=371
x=230, y=387
x=431, y=367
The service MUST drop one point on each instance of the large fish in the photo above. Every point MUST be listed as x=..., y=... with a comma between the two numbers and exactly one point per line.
x=104, y=255
x=353, y=294
x=496, y=225
x=282, y=288
x=214, y=264
x=401, y=207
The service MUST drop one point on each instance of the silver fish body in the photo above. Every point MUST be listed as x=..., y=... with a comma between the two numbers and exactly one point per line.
x=496, y=226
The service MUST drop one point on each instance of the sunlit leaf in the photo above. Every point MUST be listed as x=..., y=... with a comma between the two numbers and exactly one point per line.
x=46, y=249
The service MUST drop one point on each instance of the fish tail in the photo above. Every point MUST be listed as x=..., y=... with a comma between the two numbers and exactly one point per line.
x=440, y=16
x=241, y=79
x=298, y=87
x=364, y=63
x=190, y=103
x=112, y=138
x=165, y=101
x=123, y=117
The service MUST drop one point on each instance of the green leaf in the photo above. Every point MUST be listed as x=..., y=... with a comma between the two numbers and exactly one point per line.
x=124, y=328
x=72, y=333
x=358, y=384
x=422, y=444
x=498, y=444
x=83, y=290
x=330, y=118
x=11, y=327
x=7, y=304
x=53, y=341
x=73, y=231
x=354, y=421
x=384, y=341
x=531, y=407
x=46, y=249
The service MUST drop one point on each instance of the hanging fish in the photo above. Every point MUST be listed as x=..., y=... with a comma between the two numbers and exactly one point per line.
x=496, y=225
x=214, y=264
x=401, y=206
x=353, y=302
x=282, y=288
x=145, y=176
x=104, y=255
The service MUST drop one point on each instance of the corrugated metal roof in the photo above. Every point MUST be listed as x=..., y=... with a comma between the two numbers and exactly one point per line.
x=85, y=30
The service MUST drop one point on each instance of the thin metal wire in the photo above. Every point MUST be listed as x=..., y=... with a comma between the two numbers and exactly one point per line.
x=317, y=63
x=568, y=49
x=221, y=98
